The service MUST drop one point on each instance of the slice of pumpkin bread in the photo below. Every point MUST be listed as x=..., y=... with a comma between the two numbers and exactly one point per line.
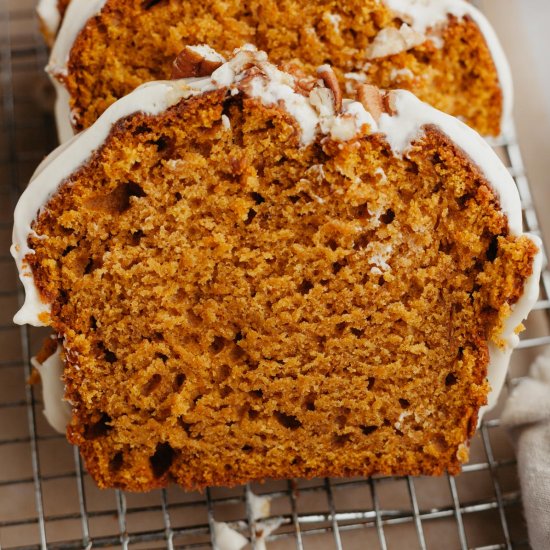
x=253, y=278
x=446, y=53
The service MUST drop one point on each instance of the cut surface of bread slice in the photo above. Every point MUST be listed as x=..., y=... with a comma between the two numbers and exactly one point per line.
x=252, y=278
x=445, y=52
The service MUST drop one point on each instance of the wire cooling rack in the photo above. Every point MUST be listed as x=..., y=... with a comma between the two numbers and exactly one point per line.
x=48, y=501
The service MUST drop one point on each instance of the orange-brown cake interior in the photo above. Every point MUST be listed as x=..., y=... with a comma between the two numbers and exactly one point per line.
x=237, y=307
x=131, y=42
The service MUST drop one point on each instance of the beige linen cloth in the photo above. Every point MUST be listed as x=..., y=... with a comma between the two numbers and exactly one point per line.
x=527, y=414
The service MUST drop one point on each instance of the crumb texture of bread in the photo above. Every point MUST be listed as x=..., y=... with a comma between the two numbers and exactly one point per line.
x=236, y=307
x=131, y=42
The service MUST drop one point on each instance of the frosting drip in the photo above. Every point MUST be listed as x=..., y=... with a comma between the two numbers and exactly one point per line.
x=49, y=14
x=423, y=15
x=56, y=410
x=228, y=538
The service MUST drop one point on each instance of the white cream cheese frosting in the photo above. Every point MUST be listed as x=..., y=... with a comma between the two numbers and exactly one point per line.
x=271, y=86
x=62, y=112
x=260, y=506
x=228, y=538
x=48, y=12
x=260, y=510
x=77, y=14
x=422, y=19
x=391, y=41
x=56, y=410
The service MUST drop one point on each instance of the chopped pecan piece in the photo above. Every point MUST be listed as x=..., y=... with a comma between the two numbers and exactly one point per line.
x=323, y=101
x=195, y=61
x=304, y=85
x=326, y=74
x=389, y=103
x=304, y=82
x=371, y=99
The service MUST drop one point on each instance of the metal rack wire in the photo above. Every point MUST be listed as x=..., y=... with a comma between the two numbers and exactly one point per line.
x=48, y=501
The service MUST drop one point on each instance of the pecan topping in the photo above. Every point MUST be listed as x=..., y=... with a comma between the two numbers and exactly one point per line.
x=323, y=101
x=326, y=74
x=304, y=85
x=250, y=72
x=371, y=99
x=389, y=103
x=192, y=62
x=304, y=82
